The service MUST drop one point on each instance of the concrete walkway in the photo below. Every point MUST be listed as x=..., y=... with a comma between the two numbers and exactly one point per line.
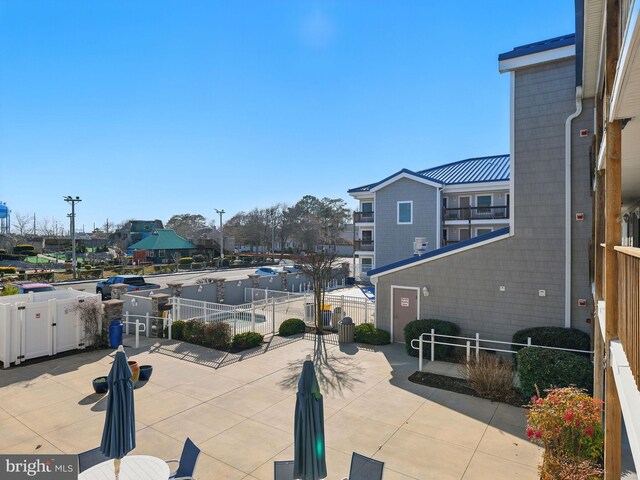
x=239, y=411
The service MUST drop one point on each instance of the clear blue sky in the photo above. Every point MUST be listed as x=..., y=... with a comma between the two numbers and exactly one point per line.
x=147, y=109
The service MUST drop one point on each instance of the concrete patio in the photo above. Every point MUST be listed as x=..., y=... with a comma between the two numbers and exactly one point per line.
x=239, y=410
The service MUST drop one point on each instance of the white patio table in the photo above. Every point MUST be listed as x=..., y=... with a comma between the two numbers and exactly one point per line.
x=133, y=467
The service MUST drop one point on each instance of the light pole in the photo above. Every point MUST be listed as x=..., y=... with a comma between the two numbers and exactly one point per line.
x=73, y=201
x=220, y=212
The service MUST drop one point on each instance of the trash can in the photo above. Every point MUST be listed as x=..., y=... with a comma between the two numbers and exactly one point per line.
x=115, y=333
x=336, y=317
x=346, y=330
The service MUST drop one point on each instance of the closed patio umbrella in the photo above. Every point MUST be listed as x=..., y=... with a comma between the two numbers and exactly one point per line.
x=309, y=451
x=119, y=433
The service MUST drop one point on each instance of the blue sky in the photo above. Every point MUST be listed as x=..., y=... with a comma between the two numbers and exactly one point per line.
x=151, y=108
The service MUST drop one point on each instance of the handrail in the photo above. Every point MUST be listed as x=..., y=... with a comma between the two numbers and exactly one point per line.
x=631, y=251
x=432, y=341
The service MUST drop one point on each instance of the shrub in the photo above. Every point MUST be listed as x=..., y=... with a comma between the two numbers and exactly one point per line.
x=217, y=335
x=547, y=368
x=185, y=261
x=491, y=376
x=198, y=258
x=244, y=341
x=291, y=326
x=367, y=333
x=87, y=267
x=177, y=330
x=414, y=329
x=568, y=424
x=8, y=271
x=9, y=290
x=553, y=337
x=194, y=331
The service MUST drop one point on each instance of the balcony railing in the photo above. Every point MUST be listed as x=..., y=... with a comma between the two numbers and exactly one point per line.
x=363, y=217
x=629, y=306
x=489, y=212
x=364, y=245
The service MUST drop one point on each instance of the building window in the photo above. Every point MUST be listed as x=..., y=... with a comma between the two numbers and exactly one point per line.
x=483, y=202
x=366, y=207
x=366, y=264
x=161, y=253
x=482, y=231
x=405, y=213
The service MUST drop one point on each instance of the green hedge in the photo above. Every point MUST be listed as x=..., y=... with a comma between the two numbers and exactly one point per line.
x=546, y=368
x=414, y=329
x=244, y=341
x=217, y=335
x=367, y=333
x=185, y=261
x=177, y=330
x=194, y=331
x=553, y=337
x=291, y=326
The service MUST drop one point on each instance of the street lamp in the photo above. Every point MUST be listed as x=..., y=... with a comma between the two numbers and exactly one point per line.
x=72, y=216
x=220, y=212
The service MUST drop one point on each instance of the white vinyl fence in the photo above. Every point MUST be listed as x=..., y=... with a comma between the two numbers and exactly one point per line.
x=270, y=308
x=41, y=324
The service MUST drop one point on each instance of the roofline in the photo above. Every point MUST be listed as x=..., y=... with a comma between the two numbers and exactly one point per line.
x=538, y=47
x=462, y=161
x=458, y=247
x=405, y=171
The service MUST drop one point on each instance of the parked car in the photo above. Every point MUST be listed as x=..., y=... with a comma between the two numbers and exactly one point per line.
x=26, y=287
x=133, y=283
x=266, y=271
x=295, y=268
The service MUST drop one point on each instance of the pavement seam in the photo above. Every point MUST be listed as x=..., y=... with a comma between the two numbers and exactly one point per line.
x=475, y=450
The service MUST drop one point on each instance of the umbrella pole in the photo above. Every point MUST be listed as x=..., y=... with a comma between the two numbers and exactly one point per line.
x=116, y=466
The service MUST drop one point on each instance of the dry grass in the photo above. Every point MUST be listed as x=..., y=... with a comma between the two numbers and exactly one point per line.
x=491, y=376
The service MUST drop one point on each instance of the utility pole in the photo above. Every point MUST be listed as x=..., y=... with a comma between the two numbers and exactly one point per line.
x=220, y=212
x=72, y=216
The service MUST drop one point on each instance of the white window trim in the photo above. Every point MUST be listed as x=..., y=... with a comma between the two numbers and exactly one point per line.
x=398, y=212
x=482, y=228
x=484, y=195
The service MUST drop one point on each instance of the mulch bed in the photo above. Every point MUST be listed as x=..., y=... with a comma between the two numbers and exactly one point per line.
x=460, y=385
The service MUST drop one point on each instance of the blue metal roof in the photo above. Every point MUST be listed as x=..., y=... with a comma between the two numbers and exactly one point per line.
x=537, y=47
x=439, y=251
x=471, y=170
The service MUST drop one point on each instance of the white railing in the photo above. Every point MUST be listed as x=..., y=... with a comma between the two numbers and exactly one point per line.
x=473, y=343
x=143, y=326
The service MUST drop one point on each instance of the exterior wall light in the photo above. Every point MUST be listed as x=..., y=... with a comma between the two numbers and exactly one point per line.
x=425, y=292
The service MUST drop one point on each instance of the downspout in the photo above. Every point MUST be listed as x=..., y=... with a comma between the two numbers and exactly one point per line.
x=567, y=208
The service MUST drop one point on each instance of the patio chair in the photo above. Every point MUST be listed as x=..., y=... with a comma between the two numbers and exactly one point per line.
x=283, y=470
x=90, y=458
x=187, y=462
x=365, y=468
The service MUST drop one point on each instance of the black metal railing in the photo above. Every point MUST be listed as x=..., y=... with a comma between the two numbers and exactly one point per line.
x=489, y=212
x=364, y=245
x=362, y=217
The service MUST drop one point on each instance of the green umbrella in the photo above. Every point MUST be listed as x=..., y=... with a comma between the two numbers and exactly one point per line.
x=119, y=433
x=309, y=450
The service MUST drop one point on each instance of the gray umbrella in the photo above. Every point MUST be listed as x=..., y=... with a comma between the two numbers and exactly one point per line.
x=119, y=433
x=309, y=449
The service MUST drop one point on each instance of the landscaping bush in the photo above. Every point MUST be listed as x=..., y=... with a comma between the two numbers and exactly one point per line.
x=177, y=330
x=553, y=337
x=244, y=341
x=198, y=258
x=414, y=329
x=367, y=333
x=547, y=368
x=217, y=335
x=568, y=424
x=9, y=290
x=491, y=376
x=291, y=326
x=194, y=331
x=25, y=249
x=8, y=271
x=185, y=261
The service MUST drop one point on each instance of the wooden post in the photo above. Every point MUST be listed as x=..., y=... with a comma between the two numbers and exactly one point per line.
x=613, y=234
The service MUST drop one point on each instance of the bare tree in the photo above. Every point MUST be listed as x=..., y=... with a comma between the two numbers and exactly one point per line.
x=22, y=223
x=321, y=268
